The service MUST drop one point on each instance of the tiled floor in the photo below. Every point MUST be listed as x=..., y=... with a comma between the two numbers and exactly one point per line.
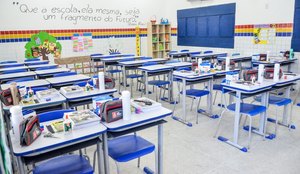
x=193, y=150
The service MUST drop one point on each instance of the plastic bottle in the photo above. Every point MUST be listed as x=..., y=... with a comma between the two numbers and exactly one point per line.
x=68, y=124
x=291, y=56
x=30, y=93
x=16, y=119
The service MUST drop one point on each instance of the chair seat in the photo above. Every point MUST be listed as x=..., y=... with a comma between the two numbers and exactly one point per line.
x=66, y=164
x=274, y=100
x=158, y=82
x=219, y=87
x=134, y=76
x=248, y=109
x=126, y=148
x=114, y=71
x=298, y=104
x=196, y=92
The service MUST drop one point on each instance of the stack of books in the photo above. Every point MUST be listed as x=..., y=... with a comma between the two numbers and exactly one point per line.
x=145, y=104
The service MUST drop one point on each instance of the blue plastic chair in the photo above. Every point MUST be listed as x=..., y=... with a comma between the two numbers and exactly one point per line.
x=83, y=84
x=39, y=63
x=236, y=54
x=65, y=164
x=97, y=66
x=12, y=65
x=250, y=110
x=132, y=76
x=146, y=58
x=64, y=74
x=278, y=102
x=46, y=67
x=129, y=147
x=14, y=71
x=114, y=53
x=34, y=59
x=9, y=61
x=24, y=79
x=207, y=52
x=184, y=50
x=128, y=55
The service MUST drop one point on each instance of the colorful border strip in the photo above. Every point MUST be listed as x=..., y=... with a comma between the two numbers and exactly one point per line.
x=24, y=35
x=282, y=29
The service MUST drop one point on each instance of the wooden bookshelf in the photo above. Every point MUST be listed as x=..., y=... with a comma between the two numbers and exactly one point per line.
x=159, y=40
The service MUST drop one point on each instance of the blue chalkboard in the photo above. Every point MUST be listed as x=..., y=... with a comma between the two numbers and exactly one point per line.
x=296, y=32
x=211, y=26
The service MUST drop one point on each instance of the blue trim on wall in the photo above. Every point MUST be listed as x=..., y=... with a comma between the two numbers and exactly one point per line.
x=211, y=26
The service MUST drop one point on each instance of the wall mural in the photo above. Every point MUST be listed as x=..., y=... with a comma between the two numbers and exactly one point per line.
x=264, y=34
x=42, y=44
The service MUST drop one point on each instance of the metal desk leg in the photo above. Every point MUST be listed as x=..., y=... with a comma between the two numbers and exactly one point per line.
x=209, y=97
x=159, y=162
x=105, y=153
x=146, y=84
x=93, y=66
x=286, y=110
x=124, y=78
x=264, y=102
x=104, y=67
x=99, y=157
x=20, y=165
x=170, y=91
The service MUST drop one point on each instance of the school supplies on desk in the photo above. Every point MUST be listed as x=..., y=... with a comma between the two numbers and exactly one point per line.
x=145, y=104
x=29, y=130
x=71, y=89
x=82, y=118
x=47, y=94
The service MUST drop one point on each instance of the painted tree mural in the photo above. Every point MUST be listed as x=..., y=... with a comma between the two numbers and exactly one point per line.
x=42, y=44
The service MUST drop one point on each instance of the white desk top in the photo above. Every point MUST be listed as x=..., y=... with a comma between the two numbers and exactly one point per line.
x=42, y=104
x=116, y=59
x=34, y=62
x=179, y=64
x=283, y=81
x=236, y=58
x=13, y=68
x=88, y=94
x=183, y=53
x=51, y=71
x=190, y=75
x=43, y=145
x=249, y=88
x=207, y=54
x=40, y=66
x=31, y=83
x=16, y=75
x=9, y=64
x=156, y=68
x=138, y=120
x=107, y=56
x=67, y=79
x=273, y=61
x=140, y=62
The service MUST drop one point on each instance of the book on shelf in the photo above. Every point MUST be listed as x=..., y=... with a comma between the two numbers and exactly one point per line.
x=145, y=104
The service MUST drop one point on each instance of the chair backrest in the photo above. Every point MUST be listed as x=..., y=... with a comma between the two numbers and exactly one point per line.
x=9, y=61
x=207, y=52
x=80, y=64
x=12, y=65
x=149, y=63
x=39, y=63
x=64, y=74
x=14, y=71
x=173, y=61
x=146, y=58
x=97, y=54
x=52, y=115
x=24, y=79
x=46, y=67
x=34, y=59
x=36, y=89
x=184, y=68
x=198, y=52
x=184, y=50
x=82, y=84
x=236, y=54
x=126, y=60
x=128, y=55
x=114, y=53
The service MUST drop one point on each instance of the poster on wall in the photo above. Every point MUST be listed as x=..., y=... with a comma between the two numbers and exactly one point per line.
x=41, y=45
x=264, y=34
x=82, y=42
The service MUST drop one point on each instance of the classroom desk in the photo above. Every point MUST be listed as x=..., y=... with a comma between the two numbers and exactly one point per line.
x=58, y=82
x=11, y=64
x=158, y=69
x=208, y=56
x=238, y=59
x=191, y=77
x=34, y=67
x=39, y=62
x=31, y=83
x=44, y=148
x=182, y=54
x=14, y=68
x=136, y=123
x=281, y=62
x=82, y=98
x=179, y=65
x=50, y=72
x=241, y=89
x=134, y=64
x=8, y=77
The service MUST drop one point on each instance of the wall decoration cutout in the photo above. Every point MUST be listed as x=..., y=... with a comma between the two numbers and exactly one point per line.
x=82, y=42
x=138, y=41
x=264, y=34
x=42, y=44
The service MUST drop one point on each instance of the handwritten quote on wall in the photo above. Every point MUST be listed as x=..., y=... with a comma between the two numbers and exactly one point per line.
x=85, y=13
